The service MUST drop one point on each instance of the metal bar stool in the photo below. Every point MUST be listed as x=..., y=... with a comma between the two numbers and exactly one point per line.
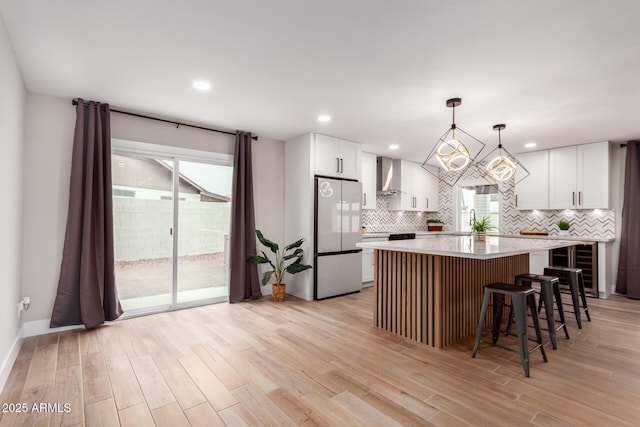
x=521, y=297
x=572, y=277
x=549, y=287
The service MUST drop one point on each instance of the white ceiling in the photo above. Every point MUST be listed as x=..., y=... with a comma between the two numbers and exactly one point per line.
x=556, y=72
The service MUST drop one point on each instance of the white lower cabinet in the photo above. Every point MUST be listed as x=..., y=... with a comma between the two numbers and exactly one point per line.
x=368, y=261
x=367, y=267
x=538, y=261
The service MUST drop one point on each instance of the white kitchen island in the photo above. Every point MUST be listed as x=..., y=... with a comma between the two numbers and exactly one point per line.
x=430, y=289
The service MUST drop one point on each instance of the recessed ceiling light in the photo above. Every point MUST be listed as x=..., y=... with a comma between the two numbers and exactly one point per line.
x=394, y=147
x=201, y=85
x=530, y=145
x=324, y=118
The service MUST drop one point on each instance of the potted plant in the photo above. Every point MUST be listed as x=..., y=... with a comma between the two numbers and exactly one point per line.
x=290, y=252
x=479, y=227
x=434, y=224
x=564, y=225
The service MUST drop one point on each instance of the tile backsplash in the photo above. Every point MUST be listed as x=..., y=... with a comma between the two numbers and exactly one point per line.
x=589, y=223
x=382, y=219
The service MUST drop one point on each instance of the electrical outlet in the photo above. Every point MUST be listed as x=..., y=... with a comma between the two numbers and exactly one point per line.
x=23, y=304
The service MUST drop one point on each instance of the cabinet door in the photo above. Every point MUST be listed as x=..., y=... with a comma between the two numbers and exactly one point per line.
x=327, y=158
x=593, y=176
x=348, y=153
x=367, y=265
x=562, y=178
x=368, y=181
x=533, y=191
x=417, y=187
x=406, y=195
x=431, y=189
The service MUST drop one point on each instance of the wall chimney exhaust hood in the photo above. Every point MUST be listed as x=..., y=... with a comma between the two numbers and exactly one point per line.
x=384, y=177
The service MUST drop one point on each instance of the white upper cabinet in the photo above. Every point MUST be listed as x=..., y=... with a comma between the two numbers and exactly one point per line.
x=369, y=167
x=431, y=189
x=418, y=191
x=336, y=157
x=562, y=178
x=417, y=187
x=593, y=176
x=579, y=177
x=533, y=191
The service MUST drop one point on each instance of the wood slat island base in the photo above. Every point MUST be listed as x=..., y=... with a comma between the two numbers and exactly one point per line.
x=435, y=299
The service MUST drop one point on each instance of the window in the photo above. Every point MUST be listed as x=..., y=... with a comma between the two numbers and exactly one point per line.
x=481, y=200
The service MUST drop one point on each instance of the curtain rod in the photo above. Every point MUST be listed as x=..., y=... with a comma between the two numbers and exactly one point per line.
x=178, y=124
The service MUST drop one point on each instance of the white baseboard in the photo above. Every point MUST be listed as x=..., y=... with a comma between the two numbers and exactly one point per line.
x=7, y=363
x=41, y=327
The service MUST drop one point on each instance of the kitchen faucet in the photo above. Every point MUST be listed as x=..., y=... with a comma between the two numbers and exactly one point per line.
x=472, y=219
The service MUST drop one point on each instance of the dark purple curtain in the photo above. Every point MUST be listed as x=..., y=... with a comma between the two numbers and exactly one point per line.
x=628, y=282
x=87, y=291
x=243, y=280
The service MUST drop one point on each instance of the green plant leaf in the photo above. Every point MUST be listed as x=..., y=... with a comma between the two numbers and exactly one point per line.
x=266, y=277
x=267, y=258
x=297, y=253
x=296, y=267
x=483, y=224
x=257, y=259
x=266, y=242
x=294, y=245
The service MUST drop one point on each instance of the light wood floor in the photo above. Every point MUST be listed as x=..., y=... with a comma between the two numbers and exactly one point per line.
x=321, y=363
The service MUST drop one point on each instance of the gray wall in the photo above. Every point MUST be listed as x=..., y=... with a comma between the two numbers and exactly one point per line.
x=140, y=228
x=49, y=138
x=12, y=122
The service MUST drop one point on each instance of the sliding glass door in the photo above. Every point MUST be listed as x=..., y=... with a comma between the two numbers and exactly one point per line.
x=204, y=219
x=171, y=231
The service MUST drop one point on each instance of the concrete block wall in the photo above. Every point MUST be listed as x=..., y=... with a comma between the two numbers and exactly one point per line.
x=142, y=228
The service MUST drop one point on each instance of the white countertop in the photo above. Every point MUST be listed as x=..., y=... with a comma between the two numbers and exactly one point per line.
x=421, y=234
x=468, y=247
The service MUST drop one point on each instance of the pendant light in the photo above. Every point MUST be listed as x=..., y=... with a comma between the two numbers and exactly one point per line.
x=452, y=154
x=501, y=168
x=500, y=165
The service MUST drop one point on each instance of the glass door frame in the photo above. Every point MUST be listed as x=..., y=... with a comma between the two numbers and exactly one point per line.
x=174, y=154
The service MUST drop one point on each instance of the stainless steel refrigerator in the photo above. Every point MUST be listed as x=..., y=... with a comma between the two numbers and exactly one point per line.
x=337, y=260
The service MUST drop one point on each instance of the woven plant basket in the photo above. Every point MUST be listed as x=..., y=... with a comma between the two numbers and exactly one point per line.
x=480, y=236
x=278, y=292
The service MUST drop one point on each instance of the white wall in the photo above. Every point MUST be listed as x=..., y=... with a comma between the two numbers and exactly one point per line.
x=12, y=123
x=47, y=164
x=268, y=192
x=49, y=139
x=154, y=132
x=299, y=209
